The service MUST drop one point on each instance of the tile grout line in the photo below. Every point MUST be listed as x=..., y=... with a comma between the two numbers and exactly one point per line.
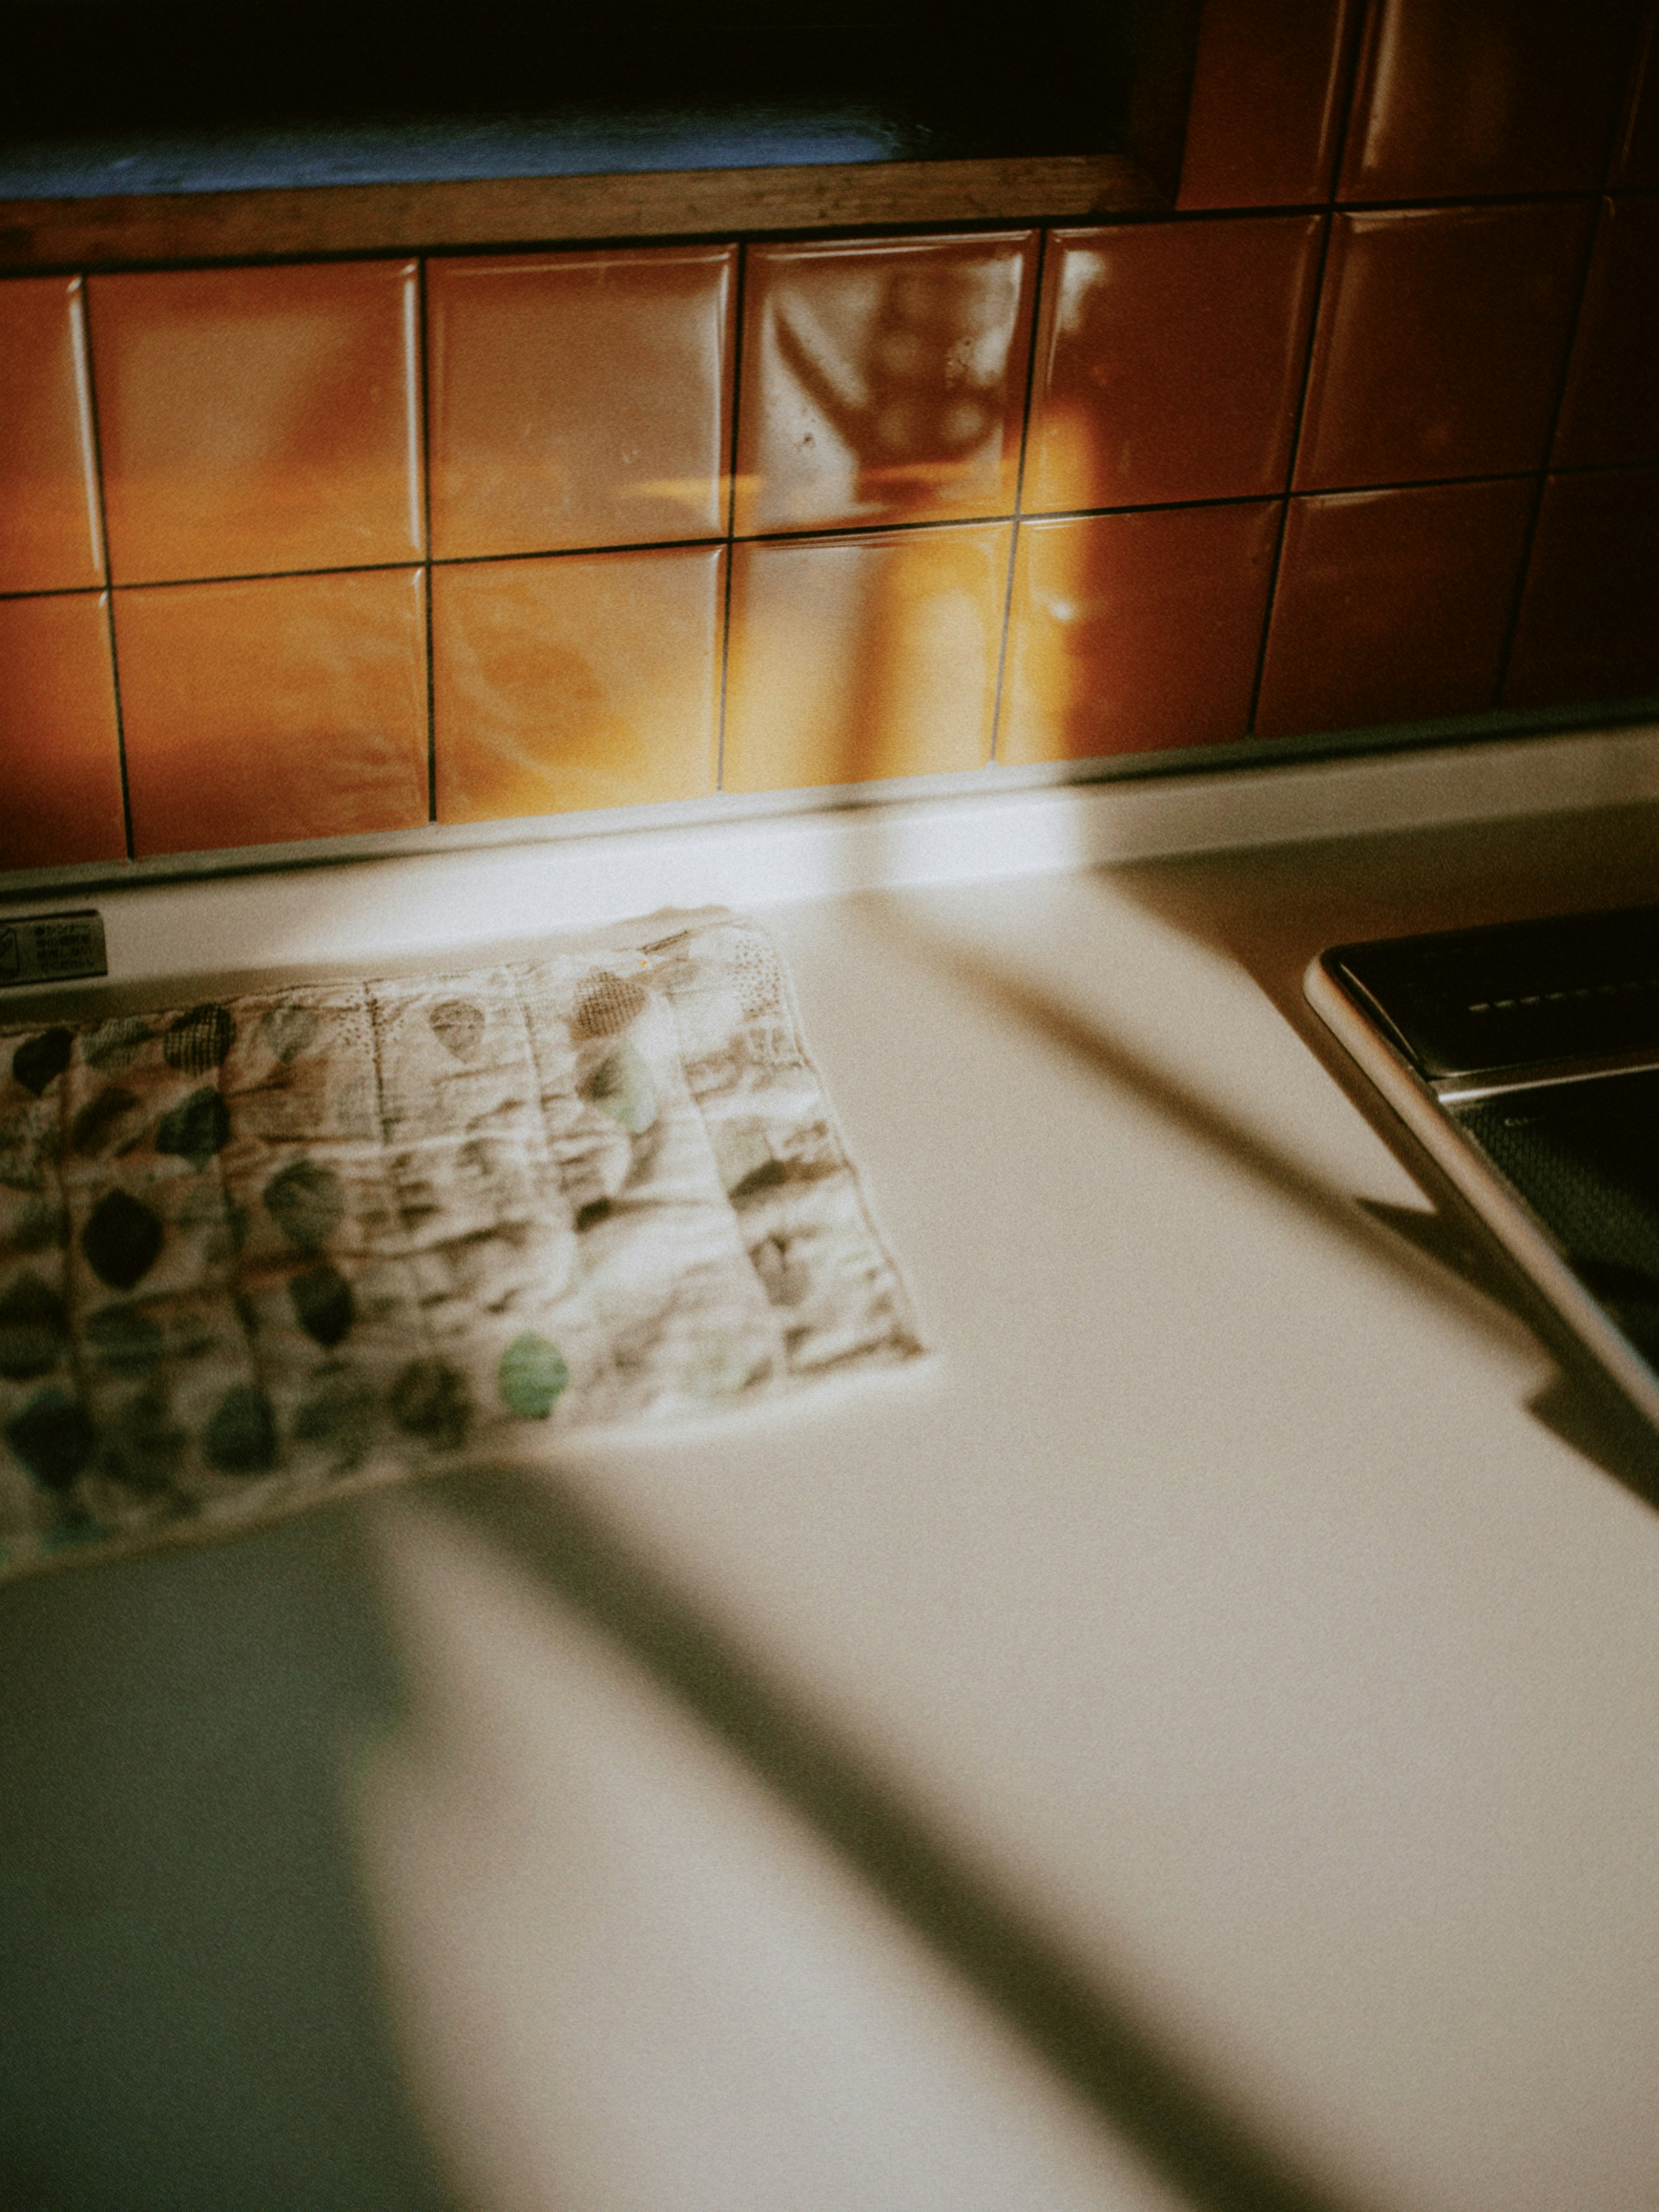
x=1019, y=488
x=420, y=457
x=848, y=530
x=1512, y=629
x=1284, y=497
x=729, y=542
x=1349, y=71
x=81, y=328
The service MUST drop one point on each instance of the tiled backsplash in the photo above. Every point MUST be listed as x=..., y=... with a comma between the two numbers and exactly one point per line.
x=1366, y=432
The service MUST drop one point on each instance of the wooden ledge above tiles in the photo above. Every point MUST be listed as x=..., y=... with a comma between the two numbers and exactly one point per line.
x=398, y=218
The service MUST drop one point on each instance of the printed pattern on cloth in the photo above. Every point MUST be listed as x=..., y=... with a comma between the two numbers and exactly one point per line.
x=251, y=1252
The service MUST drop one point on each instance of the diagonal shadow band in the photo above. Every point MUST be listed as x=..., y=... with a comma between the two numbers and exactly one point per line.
x=1443, y=1249
x=1086, y=2034
x=1082, y=1038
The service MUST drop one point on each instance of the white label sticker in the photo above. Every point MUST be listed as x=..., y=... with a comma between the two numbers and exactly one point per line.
x=51, y=948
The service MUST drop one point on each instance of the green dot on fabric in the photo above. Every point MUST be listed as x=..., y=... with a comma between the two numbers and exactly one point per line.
x=532, y=1376
x=323, y=1304
x=53, y=1436
x=33, y=1329
x=288, y=1030
x=621, y=1087
x=459, y=1026
x=241, y=1437
x=96, y=1124
x=431, y=1400
x=196, y=1130
x=42, y=1059
x=307, y=1203
x=199, y=1040
x=116, y=1044
x=124, y=1339
x=121, y=1240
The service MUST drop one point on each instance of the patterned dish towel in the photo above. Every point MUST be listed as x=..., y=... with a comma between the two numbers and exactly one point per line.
x=253, y=1252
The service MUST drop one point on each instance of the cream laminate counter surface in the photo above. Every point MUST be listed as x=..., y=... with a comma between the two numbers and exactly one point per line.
x=1241, y=1622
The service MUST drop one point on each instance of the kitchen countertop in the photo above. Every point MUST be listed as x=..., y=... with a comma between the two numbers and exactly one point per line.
x=1189, y=1742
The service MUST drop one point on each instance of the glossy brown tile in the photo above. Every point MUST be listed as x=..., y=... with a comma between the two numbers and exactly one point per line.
x=255, y=420
x=283, y=708
x=1443, y=333
x=1460, y=97
x=1130, y=633
x=60, y=761
x=1610, y=409
x=857, y=657
x=884, y=380
x=1264, y=112
x=1393, y=606
x=1590, y=618
x=583, y=680
x=1636, y=158
x=1170, y=361
x=50, y=537
x=579, y=399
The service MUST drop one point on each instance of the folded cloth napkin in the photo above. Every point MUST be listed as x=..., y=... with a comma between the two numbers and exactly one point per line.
x=256, y=1251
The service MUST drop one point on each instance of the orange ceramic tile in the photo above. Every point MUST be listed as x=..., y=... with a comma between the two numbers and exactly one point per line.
x=254, y=420
x=856, y=658
x=1459, y=97
x=583, y=680
x=284, y=707
x=1134, y=632
x=1170, y=361
x=1610, y=409
x=1393, y=606
x=1443, y=334
x=1589, y=619
x=882, y=380
x=1264, y=111
x=50, y=539
x=60, y=756
x=579, y=399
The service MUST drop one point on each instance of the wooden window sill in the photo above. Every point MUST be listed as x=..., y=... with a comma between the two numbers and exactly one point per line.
x=396, y=218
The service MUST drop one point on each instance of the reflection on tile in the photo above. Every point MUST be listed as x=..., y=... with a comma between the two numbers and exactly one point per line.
x=1610, y=411
x=585, y=680
x=857, y=657
x=579, y=398
x=882, y=380
x=287, y=706
x=1134, y=632
x=1170, y=361
x=1457, y=97
x=50, y=539
x=258, y=419
x=1393, y=606
x=60, y=763
x=1262, y=122
x=1590, y=619
x=1443, y=333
